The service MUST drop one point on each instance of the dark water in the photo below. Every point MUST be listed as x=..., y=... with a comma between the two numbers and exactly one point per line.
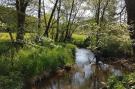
x=86, y=74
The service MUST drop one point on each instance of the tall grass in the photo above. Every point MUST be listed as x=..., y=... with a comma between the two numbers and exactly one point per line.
x=31, y=61
x=34, y=61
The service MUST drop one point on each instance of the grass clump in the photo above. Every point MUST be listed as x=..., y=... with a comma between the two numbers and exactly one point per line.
x=35, y=61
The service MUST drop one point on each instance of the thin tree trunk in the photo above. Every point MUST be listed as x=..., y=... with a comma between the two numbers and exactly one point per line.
x=46, y=33
x=104, y=9
x=45, y=21
x=39, y=16
x=69, y=21
x=58, y=20
x=98, y=21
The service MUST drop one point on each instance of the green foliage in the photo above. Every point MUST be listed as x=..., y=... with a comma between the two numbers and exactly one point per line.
x=8, y=20
x=30, y=62
x=87, y=42
x=71, y=48
x=4, y=47
x=11, y=81
x=113, y=39
x=115, y=48
x=30, y=24
x=35, y=61
x=10, y=78
x=79, y=40
x=122, y=82
x=48, y=42
x=8, y=16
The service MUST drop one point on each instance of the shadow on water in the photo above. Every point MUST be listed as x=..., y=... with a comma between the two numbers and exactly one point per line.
x=84, y=75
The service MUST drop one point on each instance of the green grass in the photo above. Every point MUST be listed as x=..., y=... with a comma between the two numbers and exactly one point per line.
x=78, y=40
x=79, y=37
x=35, y=61
x=31, y=61
x=6, y=36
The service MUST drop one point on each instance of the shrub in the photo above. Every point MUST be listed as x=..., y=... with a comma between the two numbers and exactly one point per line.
x=114, y=40
x=115, y=47
x=122, y=82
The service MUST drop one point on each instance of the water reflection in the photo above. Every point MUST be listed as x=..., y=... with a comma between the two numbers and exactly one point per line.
x=87, y=75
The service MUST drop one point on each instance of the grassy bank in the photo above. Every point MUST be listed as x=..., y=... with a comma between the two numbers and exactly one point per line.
x=16, y=66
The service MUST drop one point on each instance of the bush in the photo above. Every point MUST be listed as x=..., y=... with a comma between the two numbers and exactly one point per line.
x=117, y=47
x=114, y=40
x=122, y=82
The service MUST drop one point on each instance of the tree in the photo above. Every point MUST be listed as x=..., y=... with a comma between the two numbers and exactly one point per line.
x=131, y=20
x=46, y=33
x=69, y=20
x=58, y=20
x=21, y=6
x=70, y=10
x=39, y=14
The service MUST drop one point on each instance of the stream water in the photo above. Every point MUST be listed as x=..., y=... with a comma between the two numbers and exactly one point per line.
x=86, y=75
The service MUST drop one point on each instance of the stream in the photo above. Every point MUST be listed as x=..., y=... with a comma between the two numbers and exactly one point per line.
x=86, y=74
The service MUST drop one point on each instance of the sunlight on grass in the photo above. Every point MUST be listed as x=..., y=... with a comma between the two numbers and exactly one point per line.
x=6, y=36
x=79, y=37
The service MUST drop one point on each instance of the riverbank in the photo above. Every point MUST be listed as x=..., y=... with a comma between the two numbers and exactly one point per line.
x=18, y=67
x=125, y=63
x=83, y=74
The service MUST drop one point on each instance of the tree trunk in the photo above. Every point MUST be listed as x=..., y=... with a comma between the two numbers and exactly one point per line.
x=58, y=21
x=50, y=20
x=39, y=15
x=69, y=21
x=20, y=26
x=20, y=8
x=131, y=20
x=98, y=21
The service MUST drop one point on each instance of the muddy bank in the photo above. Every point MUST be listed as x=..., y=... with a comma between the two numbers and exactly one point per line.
x=127, y=64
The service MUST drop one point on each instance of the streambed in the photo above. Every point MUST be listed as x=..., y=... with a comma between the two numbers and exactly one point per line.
x=86, y=74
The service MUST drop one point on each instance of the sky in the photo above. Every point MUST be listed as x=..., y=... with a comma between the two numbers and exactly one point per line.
x=49, y=5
